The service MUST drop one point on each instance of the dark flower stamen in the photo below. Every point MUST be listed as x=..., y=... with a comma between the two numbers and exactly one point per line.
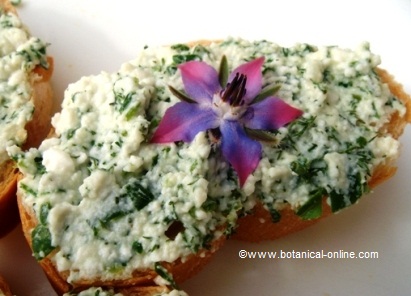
x=235, y=91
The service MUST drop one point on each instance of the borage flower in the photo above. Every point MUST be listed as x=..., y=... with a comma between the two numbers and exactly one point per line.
x=232, y=110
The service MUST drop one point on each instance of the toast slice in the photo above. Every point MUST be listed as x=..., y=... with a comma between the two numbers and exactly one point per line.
x=88, y=213
x=37, y=72
x=178, y=236
x=258, y=225
x=144, y=282
x=134, y=291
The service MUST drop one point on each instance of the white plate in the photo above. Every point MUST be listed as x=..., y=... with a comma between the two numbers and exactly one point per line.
x=88, y=36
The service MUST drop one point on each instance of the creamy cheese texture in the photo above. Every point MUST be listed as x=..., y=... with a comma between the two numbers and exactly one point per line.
x=108, y=202
x=97, y=291
x=20, y=53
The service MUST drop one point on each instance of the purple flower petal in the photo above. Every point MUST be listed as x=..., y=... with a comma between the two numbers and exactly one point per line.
x=254, y=78
x=239, y=150
x=200, y=81
x=183, y=121
x=270, y=114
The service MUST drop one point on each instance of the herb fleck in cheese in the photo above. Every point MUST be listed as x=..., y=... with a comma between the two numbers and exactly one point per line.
x=115, y=203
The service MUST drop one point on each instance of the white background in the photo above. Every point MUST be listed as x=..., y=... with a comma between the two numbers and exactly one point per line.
x=89, y=36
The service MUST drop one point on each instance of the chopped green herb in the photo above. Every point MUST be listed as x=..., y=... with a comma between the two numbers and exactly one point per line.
x=70, y=133
x=112, y=216
x=357, y=188
x=44, y=212
x=307, y=169
x=27, y=189
x=132, y=112
x=41, y=169
x=193, y=166
x=41, y=241
x=180, y=47
x=180, y=58
x=122, y=100
x=296, y=129
x=165, y=274
x=345, y=84
x=137, y=247
x=140, y=195
x=312, y=209
x=15, y=2
x=210, y=205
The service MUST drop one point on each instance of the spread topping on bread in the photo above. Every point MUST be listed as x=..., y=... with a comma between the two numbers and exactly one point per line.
x=19, y=55
x=109, y=201
x=94, y=291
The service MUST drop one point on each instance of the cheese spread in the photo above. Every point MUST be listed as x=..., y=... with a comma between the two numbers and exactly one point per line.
x=97, y=291
x=94, y=291
x=20, y=53
x=108, y=202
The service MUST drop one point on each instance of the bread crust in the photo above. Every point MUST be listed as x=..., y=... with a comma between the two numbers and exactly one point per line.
x=143, y=281
x=37, y=130
x=254, y=227
x=258, y=225
x=6, y=4
x=4, y=287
